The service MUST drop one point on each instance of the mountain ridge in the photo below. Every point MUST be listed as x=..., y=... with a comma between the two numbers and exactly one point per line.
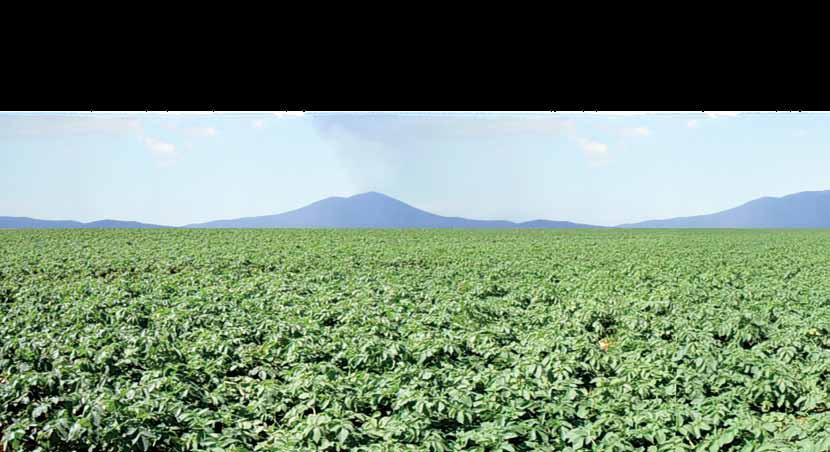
x=807, y=209
x=34, y=223
x=370, y=210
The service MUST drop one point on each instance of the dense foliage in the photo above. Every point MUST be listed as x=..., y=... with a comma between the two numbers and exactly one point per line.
x=415, y=340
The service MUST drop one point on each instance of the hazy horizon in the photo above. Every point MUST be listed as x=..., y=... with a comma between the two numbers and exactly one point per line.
x=603, y=169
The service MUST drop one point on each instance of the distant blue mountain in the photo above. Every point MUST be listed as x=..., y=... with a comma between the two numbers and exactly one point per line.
x=375, y=210
x=809, y=209
x=371, y=210
x=121, y=224
x=32, y=223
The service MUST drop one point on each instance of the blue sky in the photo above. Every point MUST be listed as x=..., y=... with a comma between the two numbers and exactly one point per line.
x=603, y=169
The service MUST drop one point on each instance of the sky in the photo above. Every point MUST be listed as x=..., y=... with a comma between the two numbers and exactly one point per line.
x=596, y=168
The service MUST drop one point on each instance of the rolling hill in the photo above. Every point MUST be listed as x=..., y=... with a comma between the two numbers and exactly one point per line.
x=371, y=210
x=32, y=223
x=809, y=209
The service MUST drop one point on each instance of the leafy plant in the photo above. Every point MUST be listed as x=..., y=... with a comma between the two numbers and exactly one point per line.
x=432, y=340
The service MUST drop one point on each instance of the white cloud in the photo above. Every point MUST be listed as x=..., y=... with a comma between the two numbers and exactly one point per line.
x=159, y=147
x=800, y=133
x=201, y=131
x=259, y=124
x=692, y=124
x=284, y=114
x=596, y=152
x=198, y=132
x=636, y=132
x=406, y=129
x=722, y=114
x=388, y=136
x=59, y=125
x=614, y=113
x=593, y=149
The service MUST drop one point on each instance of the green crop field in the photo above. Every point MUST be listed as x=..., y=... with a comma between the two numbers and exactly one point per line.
x=415, y=340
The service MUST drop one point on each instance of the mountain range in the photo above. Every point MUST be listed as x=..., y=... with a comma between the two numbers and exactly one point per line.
x=809, y=209
x=33, y=223
x=372, y=210
x=375, y=210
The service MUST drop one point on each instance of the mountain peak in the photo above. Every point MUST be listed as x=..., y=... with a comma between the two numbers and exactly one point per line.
x=371, y=194
x=367, y=210
x=808, y=209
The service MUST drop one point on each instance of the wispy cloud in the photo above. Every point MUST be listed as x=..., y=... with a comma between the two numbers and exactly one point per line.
x=193, y=132
x=636, y=131
x=201, y=131
x=159, y=147
x=692, y=124
x=384, y=150
x=62, y=125
x=165, y=153
x=593, y=147
x=711, y=114
x=289, y=114
x=596, y=152
x=258, y=124
x=56, y=126
x=722, y=114
x=386, y=134
x=396, y=129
